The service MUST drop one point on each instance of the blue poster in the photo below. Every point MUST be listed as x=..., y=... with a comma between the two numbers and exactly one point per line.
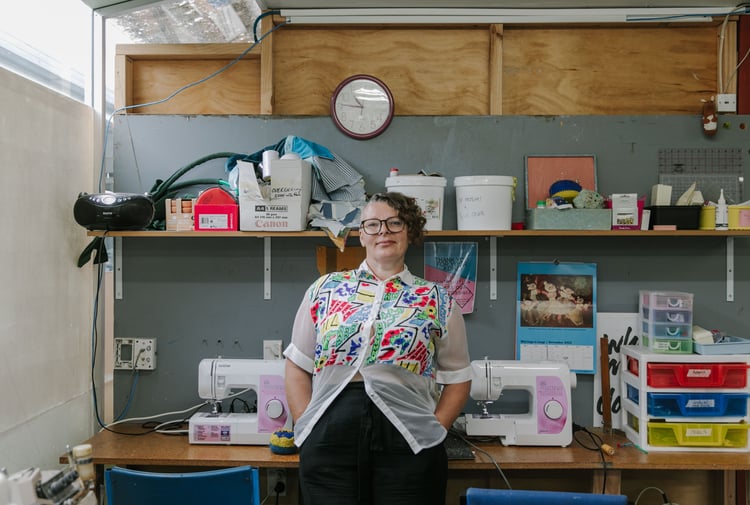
x=555, y=314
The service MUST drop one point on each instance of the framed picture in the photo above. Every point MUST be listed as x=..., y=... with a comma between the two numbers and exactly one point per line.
x=544, y=170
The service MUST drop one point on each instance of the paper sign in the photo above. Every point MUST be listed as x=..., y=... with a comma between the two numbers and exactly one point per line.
x=620, y=328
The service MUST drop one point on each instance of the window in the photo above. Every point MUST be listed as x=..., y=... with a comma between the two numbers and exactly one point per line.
x=49, y=42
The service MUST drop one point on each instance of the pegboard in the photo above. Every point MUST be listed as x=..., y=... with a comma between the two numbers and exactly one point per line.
x=713, y=169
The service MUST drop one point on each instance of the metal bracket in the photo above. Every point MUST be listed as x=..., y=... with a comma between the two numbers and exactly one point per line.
x=493, y=268
x=118, y=268
x=730, y=269
x=266, y=268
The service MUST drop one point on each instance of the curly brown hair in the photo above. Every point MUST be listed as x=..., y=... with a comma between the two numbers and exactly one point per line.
x=408, y=210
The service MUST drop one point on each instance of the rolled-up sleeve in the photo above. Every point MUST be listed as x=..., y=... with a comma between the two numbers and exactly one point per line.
x=453, y=362
x=301, y=349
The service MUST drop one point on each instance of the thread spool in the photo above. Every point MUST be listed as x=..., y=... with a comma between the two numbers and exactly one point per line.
x=82, y=458
x=608, y=449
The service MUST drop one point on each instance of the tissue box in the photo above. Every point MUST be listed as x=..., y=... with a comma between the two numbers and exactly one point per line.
x=281, y=205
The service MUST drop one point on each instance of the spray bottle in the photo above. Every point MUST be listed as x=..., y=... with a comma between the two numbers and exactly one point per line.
x=722, y=213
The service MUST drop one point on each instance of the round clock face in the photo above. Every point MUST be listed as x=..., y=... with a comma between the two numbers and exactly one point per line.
x=362, y=106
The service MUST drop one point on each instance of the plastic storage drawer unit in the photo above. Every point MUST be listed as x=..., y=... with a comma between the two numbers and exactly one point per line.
x=685, y=402
x=666, y=321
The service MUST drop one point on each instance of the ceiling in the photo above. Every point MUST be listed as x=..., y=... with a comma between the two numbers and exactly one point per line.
x=115, y=7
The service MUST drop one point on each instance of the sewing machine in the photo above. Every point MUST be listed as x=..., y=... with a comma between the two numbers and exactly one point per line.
x=549, y=420
x=220, y=379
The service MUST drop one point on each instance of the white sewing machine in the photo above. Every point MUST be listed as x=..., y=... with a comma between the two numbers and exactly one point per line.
x=220, y=379
x=549, y=419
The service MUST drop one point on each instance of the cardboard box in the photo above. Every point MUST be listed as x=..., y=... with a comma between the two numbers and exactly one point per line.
x=215, y=217
x=178, y=214
x=280, y=205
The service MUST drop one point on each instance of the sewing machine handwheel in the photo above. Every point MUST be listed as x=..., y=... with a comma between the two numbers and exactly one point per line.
x=553, y=409
x=274, y=409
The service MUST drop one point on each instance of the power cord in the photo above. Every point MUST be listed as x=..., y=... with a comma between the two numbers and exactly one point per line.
x=460, y=435
x=596, y=444
x=654, y=488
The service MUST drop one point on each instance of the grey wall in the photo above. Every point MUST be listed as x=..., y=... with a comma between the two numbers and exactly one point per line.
x=203, y=297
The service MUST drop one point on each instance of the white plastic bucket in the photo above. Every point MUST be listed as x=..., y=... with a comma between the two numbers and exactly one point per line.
x=429, y=191
x=484, y=202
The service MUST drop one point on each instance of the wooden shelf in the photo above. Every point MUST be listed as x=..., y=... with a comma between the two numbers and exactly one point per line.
x=441, y=233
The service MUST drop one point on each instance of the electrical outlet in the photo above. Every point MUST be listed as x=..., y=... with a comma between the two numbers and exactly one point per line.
x=135, y=353
x=272, y=349
x=276, y=481
x=726, y=103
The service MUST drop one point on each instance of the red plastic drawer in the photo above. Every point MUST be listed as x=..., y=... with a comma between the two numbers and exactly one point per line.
x=633, y=366
x=697, y=375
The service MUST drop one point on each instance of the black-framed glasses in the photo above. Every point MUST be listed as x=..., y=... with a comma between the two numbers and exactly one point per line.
x=374, y=226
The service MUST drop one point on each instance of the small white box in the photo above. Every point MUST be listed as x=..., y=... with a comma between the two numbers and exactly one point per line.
x=625, y=211
x=281, y=205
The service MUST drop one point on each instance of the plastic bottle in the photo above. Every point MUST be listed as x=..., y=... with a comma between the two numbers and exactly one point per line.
x=722, y=213
x=82, y=456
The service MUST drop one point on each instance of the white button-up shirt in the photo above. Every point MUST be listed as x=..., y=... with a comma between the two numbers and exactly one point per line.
x=403, y=335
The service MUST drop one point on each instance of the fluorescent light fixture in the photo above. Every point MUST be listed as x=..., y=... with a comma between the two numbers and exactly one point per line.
x=500, y=16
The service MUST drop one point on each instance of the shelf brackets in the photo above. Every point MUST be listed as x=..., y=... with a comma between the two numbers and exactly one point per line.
x=730, y=269
x=493, y=268
x=266, y=268
x=118, y=268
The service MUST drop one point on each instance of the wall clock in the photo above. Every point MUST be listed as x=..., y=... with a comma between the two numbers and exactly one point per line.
x=362, y=106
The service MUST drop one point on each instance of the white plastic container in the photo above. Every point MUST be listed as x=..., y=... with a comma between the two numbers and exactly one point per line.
x=484, y=202
x=429, y=191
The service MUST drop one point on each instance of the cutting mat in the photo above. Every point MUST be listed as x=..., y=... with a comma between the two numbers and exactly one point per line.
x=711, y=168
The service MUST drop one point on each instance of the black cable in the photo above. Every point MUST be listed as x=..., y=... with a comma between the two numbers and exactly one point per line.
x=247, y=405
x=597, y=446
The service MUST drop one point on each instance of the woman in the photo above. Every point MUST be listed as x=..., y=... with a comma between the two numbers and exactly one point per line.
x=368, y=348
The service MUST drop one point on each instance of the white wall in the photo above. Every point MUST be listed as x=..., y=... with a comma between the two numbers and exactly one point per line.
x=46, y=159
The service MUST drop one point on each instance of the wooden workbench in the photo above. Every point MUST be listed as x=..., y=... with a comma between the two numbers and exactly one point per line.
x=575, y=463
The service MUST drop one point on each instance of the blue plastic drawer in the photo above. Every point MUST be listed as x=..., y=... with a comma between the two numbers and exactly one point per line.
x=632, y=394
x=697, y=404
x=667, y=330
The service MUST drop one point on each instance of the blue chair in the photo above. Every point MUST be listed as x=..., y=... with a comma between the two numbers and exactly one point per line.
x=478, y=496
x=228, y=486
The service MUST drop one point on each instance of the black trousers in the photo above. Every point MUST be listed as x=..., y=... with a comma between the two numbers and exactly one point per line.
x=354, y=456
